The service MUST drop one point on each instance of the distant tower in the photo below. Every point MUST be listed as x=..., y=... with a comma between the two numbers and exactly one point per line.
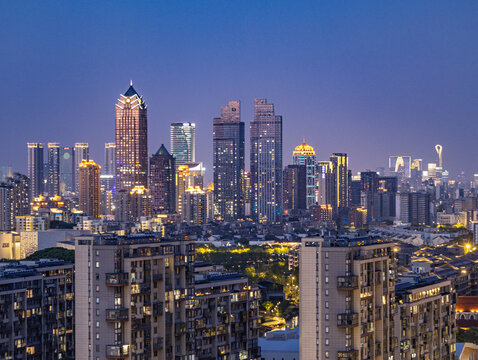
x=439, y=149
x=228, y=148
x=67, y=169
x=183, y=142
x=162, y=181
x=89, y=188
x=53, y=181
x=82, y=152
x=340, y=167
x=35, y=168
x=266, y=162
x=304, y=154
x=131, y=140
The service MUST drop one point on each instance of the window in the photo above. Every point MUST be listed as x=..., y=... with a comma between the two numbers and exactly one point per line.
x=97, y=288
x=326, y=329
x=327, y=317
x=97, y=264
x=326, y=279
x=97, y=300
x=97, y=324
x=326, y=292
x=326, y=341
x=326, y=354
x=326, y=304
x=97, y=336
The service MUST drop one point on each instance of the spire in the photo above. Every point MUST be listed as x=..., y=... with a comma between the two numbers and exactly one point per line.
x=131, y=82
x=162, y=151
x=131, y=91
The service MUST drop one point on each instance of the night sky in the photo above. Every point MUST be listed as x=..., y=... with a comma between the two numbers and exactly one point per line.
x=370, y=78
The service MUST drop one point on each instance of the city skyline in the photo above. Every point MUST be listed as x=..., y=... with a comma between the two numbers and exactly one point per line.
x=418, y=89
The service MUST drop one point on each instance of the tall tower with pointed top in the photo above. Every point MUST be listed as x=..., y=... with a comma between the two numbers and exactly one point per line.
x=131, y=140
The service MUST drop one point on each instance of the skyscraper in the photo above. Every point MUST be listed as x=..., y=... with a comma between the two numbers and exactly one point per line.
x=131, y=140
x=67, y=169
x=194, y=206
x=228, y=149
x=35, y=167
x=182, y=174
x=140, y=202
x=108, y=179
x=304, y=154
x=295, y=188
x=325, y=183
x=53, y=181
x=82, y=152
x=340, y=171
x=183, y=142
x=162, y=183
x=89, y=188
x=266, y=162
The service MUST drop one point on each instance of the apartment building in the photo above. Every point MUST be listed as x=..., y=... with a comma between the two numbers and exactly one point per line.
x=133, y=297
x=227, y=318
x=347, y=299
x=426, y=318
x=36, y=310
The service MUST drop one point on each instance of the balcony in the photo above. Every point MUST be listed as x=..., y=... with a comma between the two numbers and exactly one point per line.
x=117, y=351
x=347, y=355
x=180, y=328
x=158, y=344
x=158, y=308
x=349, y=282
x=117, y=279
x=121, y=314
x=347, y=320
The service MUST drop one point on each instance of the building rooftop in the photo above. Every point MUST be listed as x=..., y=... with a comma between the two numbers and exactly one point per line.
x=27, y=268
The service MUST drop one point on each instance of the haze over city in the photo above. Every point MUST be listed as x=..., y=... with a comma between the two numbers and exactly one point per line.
x=371, y=79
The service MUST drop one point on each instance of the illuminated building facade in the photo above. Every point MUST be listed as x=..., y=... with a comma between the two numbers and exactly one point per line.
x=140, y=202
x=194, y=206
x=108, y=179
x=325, y=183
x=183, y=142
x=53, y=180
x=182, y=174
x=37, y=303
x=340, y=171
x=82, y=152
x=304, y=154
x=133, y=298
x=131, y=141
x=294, y=195
x=400, y=165
x=67, y=170
x=162, y=181
x=14, y=200
x=89, y=188
x=35, y=167
x=347, y=299
x=228, y=145
x=266, y=162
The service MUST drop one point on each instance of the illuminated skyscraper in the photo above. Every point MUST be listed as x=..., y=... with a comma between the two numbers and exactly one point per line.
x=140, y=202
x=110, y=159
x=82, y=152
x=35, y=168
x=400, y=165
x=182, y=174
x=325, y=183
x=340, y=170
x=67, y=169
x=183, y=142
x=304, y=154
x=131, y=140
x=266, y=162
x=89, y=187
x=162, y=182
x=228, y=147
x=108, y=179
x=53, y=181
x=194, y=206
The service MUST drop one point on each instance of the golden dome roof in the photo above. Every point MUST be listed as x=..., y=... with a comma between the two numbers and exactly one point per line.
x=304, y=149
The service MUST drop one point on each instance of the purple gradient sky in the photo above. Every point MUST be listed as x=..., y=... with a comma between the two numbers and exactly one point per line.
x=369, y=78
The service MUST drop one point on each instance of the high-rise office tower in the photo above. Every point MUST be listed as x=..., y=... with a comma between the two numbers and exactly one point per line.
x=35, y=167
x=347, y=289
x=6, y=215
x=133, y=297
x=195, y=177
x=20, y=193
x=82, y=152
x=247, y=192
x=369, y=184
x=400, y=165
x=325, y=183
x=67, y=169
x=304, y=154
x=182, y=174
x=131, y=140
x=340, y=172
x=162, y=181
x=294, y=195
x=266, y=162
x=139, y=202
x=183, y=142
x=415, y=208
x=108, y=179
x=194, y=206
x=89, y=188
x=53, y=180
x=228, y=149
